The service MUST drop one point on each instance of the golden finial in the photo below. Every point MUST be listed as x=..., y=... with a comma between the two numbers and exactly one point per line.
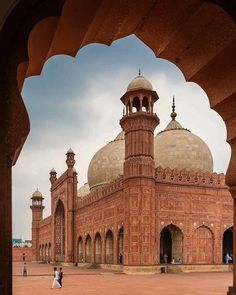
x=173, y=114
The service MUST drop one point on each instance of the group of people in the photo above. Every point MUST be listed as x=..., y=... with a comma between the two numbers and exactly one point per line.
x=57, y=278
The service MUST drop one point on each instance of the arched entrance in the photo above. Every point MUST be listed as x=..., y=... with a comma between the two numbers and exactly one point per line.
x=171, y=244
x=120, y=241
x=88, y=249
x=59, y=232
x=80, y=250
x=109, y=241
x=202, y=246
x=227, y=246
x=98, y=248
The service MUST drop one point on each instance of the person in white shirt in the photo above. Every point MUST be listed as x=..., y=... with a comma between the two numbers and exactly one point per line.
x=55, y=279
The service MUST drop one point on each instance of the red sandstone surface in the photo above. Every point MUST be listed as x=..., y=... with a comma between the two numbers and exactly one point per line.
x=97, y=281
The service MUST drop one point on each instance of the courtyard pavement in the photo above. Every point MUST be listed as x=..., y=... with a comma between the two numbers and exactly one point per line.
x=100, y=282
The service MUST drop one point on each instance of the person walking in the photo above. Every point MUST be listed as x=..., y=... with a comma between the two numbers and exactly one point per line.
x=55, y=279
x=60, y=276
x=24, y=270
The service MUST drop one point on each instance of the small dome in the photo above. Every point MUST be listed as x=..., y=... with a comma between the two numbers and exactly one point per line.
x=83, y=190
x=53, y=170
x=139, y=82
x=37, y=194
x=176, y=147
x=107, y=164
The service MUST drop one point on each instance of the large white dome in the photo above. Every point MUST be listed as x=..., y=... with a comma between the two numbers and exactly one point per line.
x=176, y=147
x=107, y=164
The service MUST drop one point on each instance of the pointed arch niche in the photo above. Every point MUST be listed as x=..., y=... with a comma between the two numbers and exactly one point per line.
x=202, y=246
x=59, y=232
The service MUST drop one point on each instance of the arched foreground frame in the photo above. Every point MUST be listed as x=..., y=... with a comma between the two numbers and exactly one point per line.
x=198, y=36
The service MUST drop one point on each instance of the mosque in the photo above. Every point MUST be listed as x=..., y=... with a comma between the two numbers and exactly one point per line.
x=149, y=199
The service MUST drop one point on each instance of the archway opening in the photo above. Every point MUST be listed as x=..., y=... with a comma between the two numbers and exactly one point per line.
x=109, y=247
x=202, y=246
x=88, y=249
x=80, y=250
x=227, y=249
x=98, y=248
x=120, y=242
x=59, y=232
x=171, y=245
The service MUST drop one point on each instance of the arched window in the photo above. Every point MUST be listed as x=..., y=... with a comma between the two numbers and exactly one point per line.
x=59, y=232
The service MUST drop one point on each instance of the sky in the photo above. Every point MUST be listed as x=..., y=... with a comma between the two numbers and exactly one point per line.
x=75, y=103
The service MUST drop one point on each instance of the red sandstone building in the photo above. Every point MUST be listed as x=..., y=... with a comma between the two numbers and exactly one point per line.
x=146, y=196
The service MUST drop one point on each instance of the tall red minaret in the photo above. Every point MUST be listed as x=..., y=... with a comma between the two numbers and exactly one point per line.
x=139, y=123
x=37, y=215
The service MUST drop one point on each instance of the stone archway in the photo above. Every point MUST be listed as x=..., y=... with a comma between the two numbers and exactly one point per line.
x=109, y=247
x=205, y=55
x=80, y=257
x=98, y=248
x=88, y=249
x=59, y=232
x=227, y=243
x=171, y=244
x=202, y=246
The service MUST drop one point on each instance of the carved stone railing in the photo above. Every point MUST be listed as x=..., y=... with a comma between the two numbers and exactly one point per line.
x=175, y=176
x=101, y=192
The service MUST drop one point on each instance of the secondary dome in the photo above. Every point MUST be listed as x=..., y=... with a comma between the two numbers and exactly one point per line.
x=139, y=82
x=107, y=164
x=176, y=147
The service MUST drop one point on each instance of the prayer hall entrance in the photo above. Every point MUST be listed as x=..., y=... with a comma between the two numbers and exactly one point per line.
x=227, y=247
x=171, y=245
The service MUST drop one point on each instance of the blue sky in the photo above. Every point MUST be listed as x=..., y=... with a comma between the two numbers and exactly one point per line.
x=75, y=102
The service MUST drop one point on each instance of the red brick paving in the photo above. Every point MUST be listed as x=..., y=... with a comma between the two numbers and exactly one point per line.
x=97, y=281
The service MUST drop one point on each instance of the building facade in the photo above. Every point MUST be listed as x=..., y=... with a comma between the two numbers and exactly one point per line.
x=149, y=199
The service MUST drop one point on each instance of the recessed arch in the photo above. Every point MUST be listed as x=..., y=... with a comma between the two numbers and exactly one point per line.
x=203, y=245
x=59, y=231
x=227, y=244
x=120, y=245
x=88, y=249
x=171, y=244
x=80, y=256
x=109, y=247
x=98, y=248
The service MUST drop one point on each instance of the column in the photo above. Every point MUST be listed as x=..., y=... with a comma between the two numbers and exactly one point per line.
x=6, y=226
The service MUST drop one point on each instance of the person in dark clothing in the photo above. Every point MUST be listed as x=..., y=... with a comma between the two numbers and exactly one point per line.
x=60, y=276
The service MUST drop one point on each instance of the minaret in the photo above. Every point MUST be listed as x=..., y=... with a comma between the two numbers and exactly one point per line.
x=37, y=215
x=70, y=205
x=53, y=175
x=139, y=123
